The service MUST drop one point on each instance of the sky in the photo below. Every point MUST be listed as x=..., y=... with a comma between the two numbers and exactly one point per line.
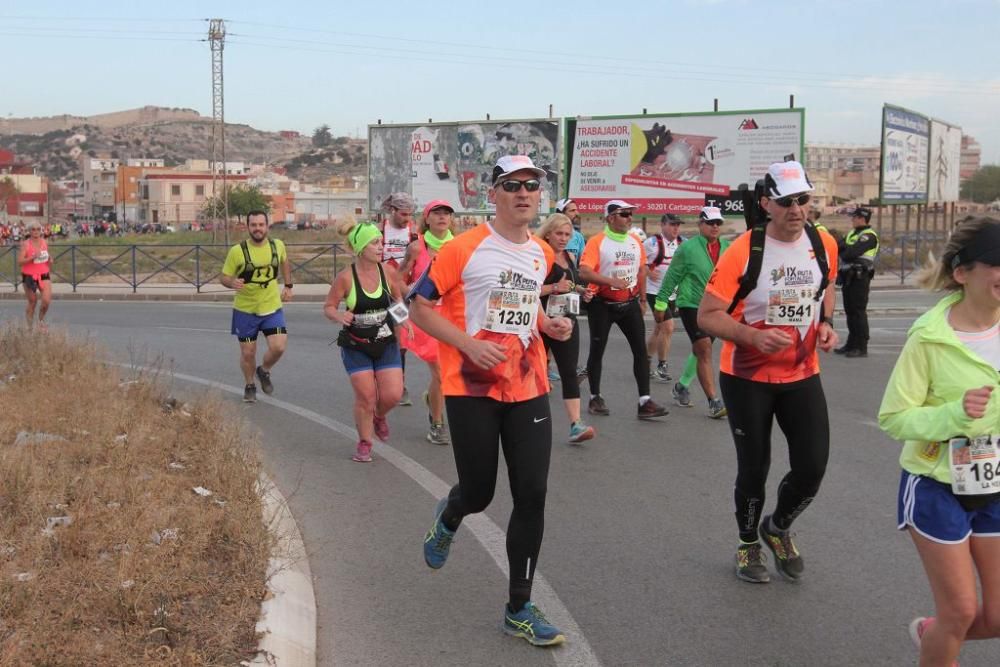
x=297, y=65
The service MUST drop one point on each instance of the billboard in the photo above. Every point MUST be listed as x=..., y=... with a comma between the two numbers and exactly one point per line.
x=905, y=144
x=454, y=161
x=670, y=163
x=945, y=156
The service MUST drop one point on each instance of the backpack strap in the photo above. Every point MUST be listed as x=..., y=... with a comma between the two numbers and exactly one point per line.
x=824, y=264
x=748, y=281
x=247, y=273
x=661, y=250
x=274, y=256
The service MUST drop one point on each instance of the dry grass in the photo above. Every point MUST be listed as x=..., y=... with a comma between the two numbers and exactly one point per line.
x=148, y=571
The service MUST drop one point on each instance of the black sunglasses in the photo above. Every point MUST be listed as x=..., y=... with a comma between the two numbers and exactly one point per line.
x=713, y=223
x=531, y=185
x=624, y=214
x=786, y=202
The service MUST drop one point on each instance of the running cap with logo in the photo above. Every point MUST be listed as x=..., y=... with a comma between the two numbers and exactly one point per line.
x=710, y=213
x=670, y=219
x=786, y=178
x=562, y=204
x=400, y=201
x=861, y=212
x=508, y=164
x=436, y=204
x=983, y=247
x=616, y=204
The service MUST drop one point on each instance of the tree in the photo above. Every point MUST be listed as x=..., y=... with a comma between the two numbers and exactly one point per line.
x=322, y=137
x=984, y=186
x=8, y=191
x=242, y=200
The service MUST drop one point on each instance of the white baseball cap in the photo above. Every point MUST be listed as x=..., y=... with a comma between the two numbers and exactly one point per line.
x=562, y=204
x=786, y=178
x=508, y=164
x=616, y=204
x=710, y=213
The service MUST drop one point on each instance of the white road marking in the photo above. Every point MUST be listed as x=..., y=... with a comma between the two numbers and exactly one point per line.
x=575, y=652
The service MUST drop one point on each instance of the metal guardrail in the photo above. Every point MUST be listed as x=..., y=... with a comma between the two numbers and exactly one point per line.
x=908, y=252
x=137, y=264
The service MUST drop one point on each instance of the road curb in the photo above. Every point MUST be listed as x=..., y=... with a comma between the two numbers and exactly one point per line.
x=287, y=622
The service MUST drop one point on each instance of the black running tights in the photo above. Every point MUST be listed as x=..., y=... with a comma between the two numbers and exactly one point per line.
x=479, y=427
x=566, y=353
x=800, y=408
x=628, y=316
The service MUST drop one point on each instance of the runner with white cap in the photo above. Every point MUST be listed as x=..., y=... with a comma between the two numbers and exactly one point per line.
x=689, y=271
x=614, y=263
x=769, y=366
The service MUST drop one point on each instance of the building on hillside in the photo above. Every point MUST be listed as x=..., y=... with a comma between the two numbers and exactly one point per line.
x=971, y=158
x=289, y=134
x=176, y=197
x=843, y=172
x=327, y=206
x=127, y=192
x=99, y=178
x=230, y=169
x=31, y=189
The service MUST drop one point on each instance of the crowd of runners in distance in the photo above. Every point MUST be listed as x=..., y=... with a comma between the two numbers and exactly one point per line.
x=492, y=309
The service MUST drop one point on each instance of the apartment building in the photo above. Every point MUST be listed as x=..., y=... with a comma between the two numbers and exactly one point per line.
x=100, y=176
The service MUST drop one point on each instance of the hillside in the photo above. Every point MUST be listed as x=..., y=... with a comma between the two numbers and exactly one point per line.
x=55, y=144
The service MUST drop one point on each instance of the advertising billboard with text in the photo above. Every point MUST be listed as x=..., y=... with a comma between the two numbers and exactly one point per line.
x=670, y=163
x=454, y=161
x=905, y=144
x=946, y=154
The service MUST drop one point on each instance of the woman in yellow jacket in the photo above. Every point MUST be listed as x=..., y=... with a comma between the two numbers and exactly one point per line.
x=942, y=401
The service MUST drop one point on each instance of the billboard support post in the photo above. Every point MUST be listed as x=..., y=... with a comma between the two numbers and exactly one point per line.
x=906, y=224
x=878, y=220
x=892, y=216
x=715, y=104
x=791, y=101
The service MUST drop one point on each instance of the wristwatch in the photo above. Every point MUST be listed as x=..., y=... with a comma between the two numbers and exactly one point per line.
x=828, y=319
x=289, y=285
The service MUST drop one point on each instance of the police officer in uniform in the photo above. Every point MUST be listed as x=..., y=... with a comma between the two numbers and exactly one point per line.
x=858, y=250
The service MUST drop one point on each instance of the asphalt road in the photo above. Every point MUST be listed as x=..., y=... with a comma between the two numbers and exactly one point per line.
x=638, y=554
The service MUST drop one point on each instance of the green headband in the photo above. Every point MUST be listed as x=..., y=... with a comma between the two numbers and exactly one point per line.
x=362, y=234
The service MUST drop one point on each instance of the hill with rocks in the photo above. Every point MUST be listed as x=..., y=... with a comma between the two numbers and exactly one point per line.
x=55, y=144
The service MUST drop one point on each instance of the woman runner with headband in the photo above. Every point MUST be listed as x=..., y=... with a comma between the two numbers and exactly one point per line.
x=367, y=340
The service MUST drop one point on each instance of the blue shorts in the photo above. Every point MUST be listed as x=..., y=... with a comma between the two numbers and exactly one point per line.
x=930, y=508
x=246, y=326
x=356, y=361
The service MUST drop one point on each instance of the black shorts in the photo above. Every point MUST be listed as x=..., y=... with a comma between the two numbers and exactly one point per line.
x=689, y=317
x=671, y=311
x=33, y=285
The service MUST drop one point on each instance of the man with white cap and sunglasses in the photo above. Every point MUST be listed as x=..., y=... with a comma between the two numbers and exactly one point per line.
x=614, y=263
x=772, y=319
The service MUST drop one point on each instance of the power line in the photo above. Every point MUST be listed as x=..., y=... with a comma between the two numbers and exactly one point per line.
x=437, y=44
x=581, y=68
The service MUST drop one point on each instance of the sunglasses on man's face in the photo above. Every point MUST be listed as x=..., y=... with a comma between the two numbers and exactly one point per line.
x=713, y=223
x=531, y=185
x=786, y=202
x=624, y=214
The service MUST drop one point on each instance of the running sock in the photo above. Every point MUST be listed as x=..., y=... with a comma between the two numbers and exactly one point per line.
x=772, y=526
x=643, y=400
x=690, y=371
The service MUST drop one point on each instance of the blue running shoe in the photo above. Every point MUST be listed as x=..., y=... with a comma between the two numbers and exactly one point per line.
x=530, y=624
x=437, y=543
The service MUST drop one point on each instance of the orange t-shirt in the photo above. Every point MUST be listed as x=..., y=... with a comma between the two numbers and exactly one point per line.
x=491, y=288
x=37, y=269
x=615, y=259
x=788, y=277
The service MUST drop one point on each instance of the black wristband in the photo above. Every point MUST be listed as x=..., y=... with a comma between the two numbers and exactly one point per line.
x=289, y=285
x=827, y=319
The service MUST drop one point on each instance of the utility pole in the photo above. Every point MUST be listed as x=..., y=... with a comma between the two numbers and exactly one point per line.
x=217, y=40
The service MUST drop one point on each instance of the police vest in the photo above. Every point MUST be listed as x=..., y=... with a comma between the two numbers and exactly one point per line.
x=853, y=236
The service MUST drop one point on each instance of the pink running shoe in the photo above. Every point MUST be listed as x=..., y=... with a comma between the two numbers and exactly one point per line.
x=918, y=627
x=363, y=454
x=381, y=425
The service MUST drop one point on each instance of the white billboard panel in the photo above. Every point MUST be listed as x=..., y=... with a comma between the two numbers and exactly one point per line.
x=946, y=154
